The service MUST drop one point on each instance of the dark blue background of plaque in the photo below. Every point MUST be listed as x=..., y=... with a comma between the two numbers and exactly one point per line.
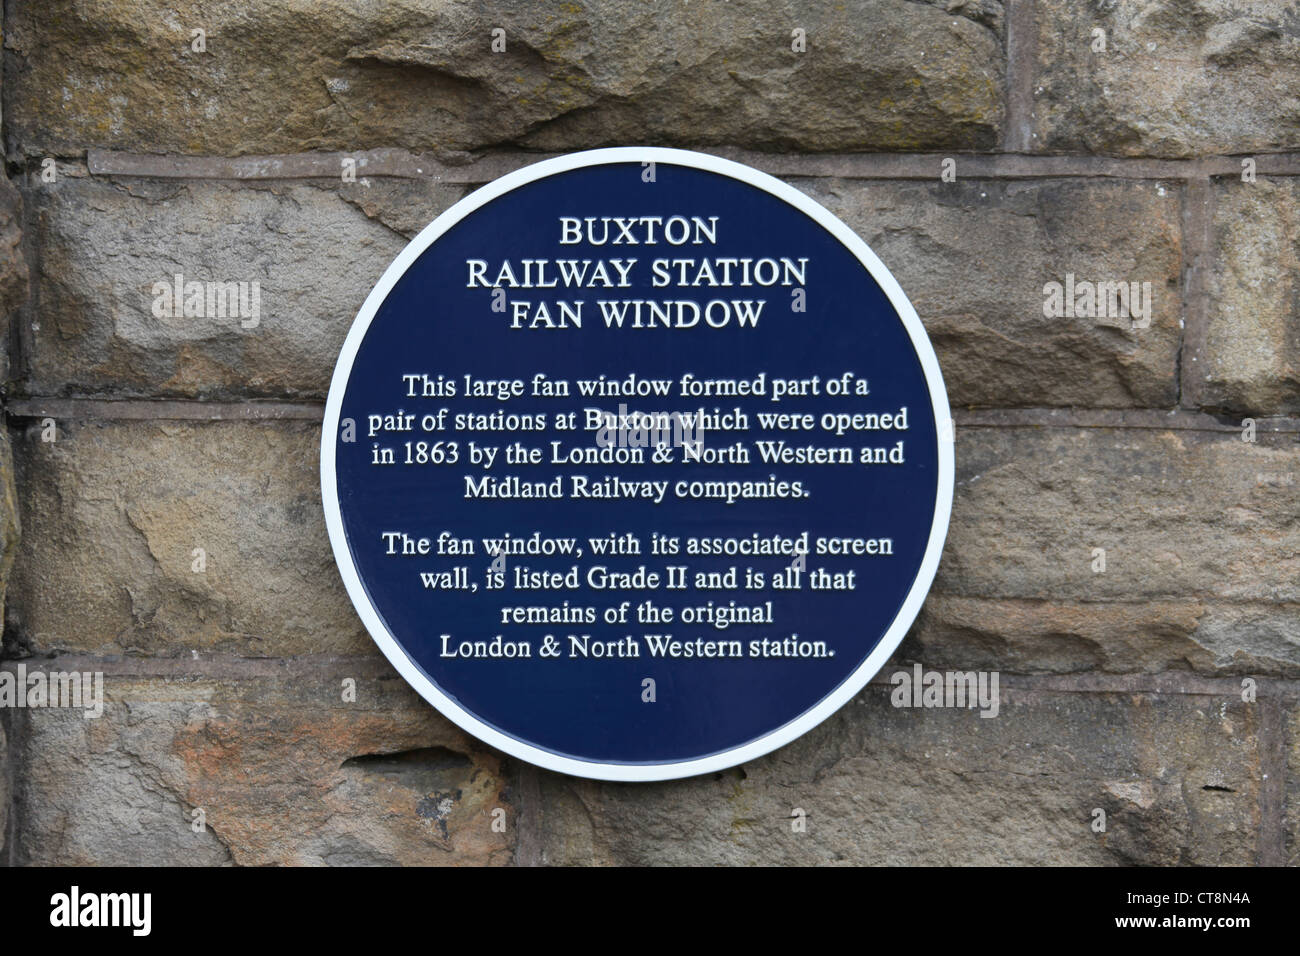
x=592, y=710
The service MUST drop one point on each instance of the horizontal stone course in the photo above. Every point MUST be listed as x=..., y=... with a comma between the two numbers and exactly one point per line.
x=285, y=772
x=876, y=74
x=1177, y=778
x=1179, y=514
x=974, y=256
x=1203, y=78
x=106, y=325
x=1196, y=78
x=1200, y=538
x=115, y=511
x=1200, y=532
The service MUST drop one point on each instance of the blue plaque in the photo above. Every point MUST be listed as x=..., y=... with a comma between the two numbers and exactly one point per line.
x=637, y=463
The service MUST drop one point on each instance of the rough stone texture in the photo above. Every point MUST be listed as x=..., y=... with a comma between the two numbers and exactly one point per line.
x=13, y=267
x=1178, y=778
x=1024, y=636
x=1061, y=636
x=974, y=256
x=13, y=292
x=1202, y=539
x=13, y=282
x=1179, y=514
x=115, y=511
x=10, y=523
x=1250, y=363
x=1183, y=78
x=877, y=74
x=284, y=771
x=104, y=245
x=1201, y=533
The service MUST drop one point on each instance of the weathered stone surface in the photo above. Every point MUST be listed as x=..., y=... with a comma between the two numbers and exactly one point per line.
x=116, y=511
x=1025, y=636
x=13, y=267
x=1178, y=778
x=13, y=289
x=1201, y=549
x=10, y=522
x=1201, y=540
x=974, y=257
x=284, y=771
x=877, y=74
x=1188, y=78
x=405, y=206
x=314, y=256
x=1178, y=513
x=1250, y=363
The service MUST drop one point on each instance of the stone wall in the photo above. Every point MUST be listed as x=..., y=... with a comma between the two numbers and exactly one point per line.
x=136, y=440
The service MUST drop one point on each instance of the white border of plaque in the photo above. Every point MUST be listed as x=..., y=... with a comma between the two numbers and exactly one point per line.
x=777, y=737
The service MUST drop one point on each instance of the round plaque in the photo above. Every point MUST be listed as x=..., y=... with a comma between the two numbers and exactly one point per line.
x=637, y=463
